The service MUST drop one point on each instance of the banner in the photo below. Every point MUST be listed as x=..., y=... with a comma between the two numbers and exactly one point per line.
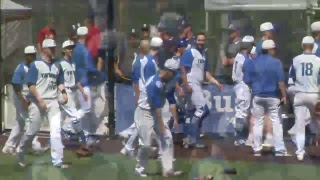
x=221, y=112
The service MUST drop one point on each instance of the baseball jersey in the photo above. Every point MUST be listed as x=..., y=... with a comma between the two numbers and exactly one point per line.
x=237, y=70
x=157, y=93
x=19, y=76
x=148, y=69
x=69, y=70
x=305, y=73
x=196, y=63
x=317, y=47
x=46, y=77
x=263, y=75
x=259, y=47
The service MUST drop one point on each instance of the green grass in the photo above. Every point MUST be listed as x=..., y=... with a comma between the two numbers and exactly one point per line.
x=117, y=167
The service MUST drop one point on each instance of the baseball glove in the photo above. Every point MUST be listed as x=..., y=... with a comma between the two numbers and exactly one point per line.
x=317, y=109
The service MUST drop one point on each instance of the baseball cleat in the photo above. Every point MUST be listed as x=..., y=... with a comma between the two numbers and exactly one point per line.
x=282, y=154
x=172, y=173
x=62, y=166
x=140, y=172
x=20, y=158
x=8, y=150
x=239, y=143
x=127, y=152
x=267, y=143
x=257, y=153
x=300, y=157
x=249, y=143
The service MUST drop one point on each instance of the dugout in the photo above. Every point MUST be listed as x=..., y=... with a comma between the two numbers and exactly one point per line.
x=291, y=18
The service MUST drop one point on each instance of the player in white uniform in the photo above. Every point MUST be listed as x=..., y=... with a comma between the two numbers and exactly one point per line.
x=305, y=72
x=242, y=91
x=194, y=67
x=21, y=103
x=70, y=109
x=148, y=117
x=45, y=79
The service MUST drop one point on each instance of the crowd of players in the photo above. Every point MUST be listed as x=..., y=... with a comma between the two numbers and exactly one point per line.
x=164, y=80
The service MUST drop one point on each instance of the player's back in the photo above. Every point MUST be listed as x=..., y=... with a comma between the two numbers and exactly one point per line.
x=306, y=68
x=237, y=70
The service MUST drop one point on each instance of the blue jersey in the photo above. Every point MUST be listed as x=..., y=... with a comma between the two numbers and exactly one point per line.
x=46, y=77
x=148, y=68
x=157, y=93
x=136, y=65
x=263, y=74
x=86, y=70
x=317, y=51
x=259, y=47
x=19, y=76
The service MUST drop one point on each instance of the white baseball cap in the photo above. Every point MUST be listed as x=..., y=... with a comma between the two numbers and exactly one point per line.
x=48, y=43
x=172, y=64
x=249, y=39
x=253, y=50
x=268, y=44
x=307, y=40
x=30, y=50
x=67, y=43
x=315, y=26
x=156, y=42
x=81, y=31
x=267, y=26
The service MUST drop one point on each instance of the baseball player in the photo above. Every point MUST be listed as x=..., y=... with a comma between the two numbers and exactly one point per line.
x=266, y=78
x=305, y=73
x=84, y=66
x=22, y=103
x=194, y=67
x=148, y=117
x=128, y=149
x=69, y=109
x=267, y=30
x=242, y=91
x=45, y=79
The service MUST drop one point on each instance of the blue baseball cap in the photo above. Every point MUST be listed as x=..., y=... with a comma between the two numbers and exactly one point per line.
x=182, y=43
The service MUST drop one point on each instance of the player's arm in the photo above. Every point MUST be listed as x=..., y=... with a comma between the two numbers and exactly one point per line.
x=135, y=78
x=172, y=105
x=248, y=72
x=153, y=93
x=100, y=64
x=17, y=83
x=60, y=82
x=281, y=82
x=186, y=64
x=31, y=80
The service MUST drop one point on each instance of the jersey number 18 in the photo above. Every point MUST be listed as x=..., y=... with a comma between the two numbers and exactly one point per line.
x=307, y=69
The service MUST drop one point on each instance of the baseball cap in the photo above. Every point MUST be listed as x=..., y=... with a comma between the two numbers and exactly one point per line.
x=307, y=40
x=249, y=39
x=81, y=31
x=268, y=44
x=182, y=43
x=48, y=43
x=231, y=28
x=156, y=42
x=315, y=26
x=267, y=26
x=30, y=50
x=145, y=27
x=67, y=43
x=172, y=64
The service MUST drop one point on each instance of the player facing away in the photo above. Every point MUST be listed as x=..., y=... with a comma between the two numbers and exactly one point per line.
x=241, y=89
x=21, y=103
x=45, y=80
x=305, y=73
x=148, y=118
x=266, y=78
x=194, y=69
x=69, y=109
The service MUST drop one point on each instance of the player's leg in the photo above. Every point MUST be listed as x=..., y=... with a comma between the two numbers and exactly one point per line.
x=54, y=117
x=299, y=131
x=268, y=142
x=129, y=147
x=144, y=123
x=258, y=113
x=85, y=107
x=36, y=118
x=273, y=105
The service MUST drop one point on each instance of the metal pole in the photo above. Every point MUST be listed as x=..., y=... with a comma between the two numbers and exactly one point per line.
x=207, y=22
x=110, y=60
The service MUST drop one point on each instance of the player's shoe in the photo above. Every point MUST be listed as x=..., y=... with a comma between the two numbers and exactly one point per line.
x=257, y=153
x=268, y=142
x=202, y=135
x=239, y=142
x=172, y=173
x=300, y=157
x=20, y=158
x=61, y=166
x=249, y=143
x=140, y=172
x=127, y=152
x=8, y=150
x=282, y=154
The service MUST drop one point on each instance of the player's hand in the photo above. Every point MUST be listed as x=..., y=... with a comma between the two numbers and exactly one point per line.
x=180, y=92
x=220, y=87
x=188, y=89
x=25, y=104
x=42, y=105
x=85, y=97
x=283, y=100
x=176, y=125
x=65, y=98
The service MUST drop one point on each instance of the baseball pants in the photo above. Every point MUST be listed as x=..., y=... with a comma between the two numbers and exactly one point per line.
x=37, y=116
x=22, y=118
x=302, y=100
x=242, y=106
x=146, y=122
x=85, y=107
x=262, y=106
